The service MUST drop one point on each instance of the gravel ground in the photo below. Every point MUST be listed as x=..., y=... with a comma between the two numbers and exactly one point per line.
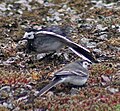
x=95, y=25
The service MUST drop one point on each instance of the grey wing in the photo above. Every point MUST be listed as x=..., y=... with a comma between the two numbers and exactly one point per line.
x=72, y=73
x=80, y=73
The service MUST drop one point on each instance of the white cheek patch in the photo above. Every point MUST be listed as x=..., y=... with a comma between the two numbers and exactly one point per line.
x=29, y=35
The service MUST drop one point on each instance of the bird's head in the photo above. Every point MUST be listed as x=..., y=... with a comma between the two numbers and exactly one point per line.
x=86, y=64
x=29, y=33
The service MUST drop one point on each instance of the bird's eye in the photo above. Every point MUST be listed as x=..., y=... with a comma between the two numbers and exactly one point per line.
x=29, y=35
x=85, y=63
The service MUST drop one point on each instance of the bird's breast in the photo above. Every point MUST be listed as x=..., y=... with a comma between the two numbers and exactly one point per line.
x=75, y=80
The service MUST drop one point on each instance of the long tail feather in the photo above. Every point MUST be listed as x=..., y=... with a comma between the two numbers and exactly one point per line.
x=44, y=90
x=48, y=87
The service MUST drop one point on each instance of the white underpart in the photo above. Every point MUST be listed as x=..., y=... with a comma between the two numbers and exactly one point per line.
x=74, y=80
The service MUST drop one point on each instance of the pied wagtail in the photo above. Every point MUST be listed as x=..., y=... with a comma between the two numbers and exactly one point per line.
x=75, y=73
x=53, y=38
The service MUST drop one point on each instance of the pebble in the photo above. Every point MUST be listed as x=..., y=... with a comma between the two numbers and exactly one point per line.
x=112, y=90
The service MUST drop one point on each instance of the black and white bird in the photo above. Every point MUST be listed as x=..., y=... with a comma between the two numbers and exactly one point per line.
x=75, y=73
x=45, y=43
x=52, y=39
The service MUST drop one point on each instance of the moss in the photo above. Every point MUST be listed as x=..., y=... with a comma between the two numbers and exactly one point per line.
x=117, y=107
x=3, y=109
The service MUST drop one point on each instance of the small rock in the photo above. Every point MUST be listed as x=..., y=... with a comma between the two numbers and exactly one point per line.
x=22, y=98
x=97, y=50
x=40, y=1
x=91, y=45
x=3, y=6
x=84, y=41
x=74, y=91
x=85, y=26
x=6, y=88
x=8, y=105
x=103, y=37
x=57, y=18
x=113, y=90
x=49, y=94
x=118, y=3
x=105, y=80
x=40, y=56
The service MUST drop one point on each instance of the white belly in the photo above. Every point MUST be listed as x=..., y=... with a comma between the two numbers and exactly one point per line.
x=76, y=80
